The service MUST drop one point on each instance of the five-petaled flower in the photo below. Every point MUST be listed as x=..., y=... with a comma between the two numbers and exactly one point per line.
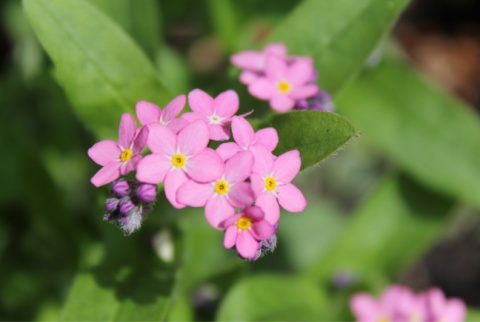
x=119, y=158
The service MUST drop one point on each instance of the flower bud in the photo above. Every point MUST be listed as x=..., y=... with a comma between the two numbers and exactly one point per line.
x=121, y=188
x=147, y=192
x=125, y=205
x=111, y=205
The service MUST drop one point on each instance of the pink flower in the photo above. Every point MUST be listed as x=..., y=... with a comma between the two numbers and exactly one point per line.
x=177, y=158
x=149, y=113
x=217, y=113
x=398, y=304
x=247, y=140
x=438, y=308
x=222, y=196
x=246, y=230
x=254, y=62
x=271, y=181
x=284, y=84
x=118, y=158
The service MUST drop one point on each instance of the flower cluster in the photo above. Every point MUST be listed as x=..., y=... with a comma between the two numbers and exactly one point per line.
x=241, y=184
x=399, y=303
x=287, y=82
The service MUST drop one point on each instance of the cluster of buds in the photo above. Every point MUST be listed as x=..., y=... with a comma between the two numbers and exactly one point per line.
x=241, y=184
x=287, y=82
x=398, y=304
x=129, y=204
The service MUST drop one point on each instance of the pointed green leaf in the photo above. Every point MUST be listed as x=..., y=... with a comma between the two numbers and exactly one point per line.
x=102, y=70
x=339, y=35
x=422, y=128
x=315, y=134
x=273, y=298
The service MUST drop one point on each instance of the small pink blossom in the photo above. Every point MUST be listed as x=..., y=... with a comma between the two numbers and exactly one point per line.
x=222, y=196
x=248, y=140
x=149, y=113
x=272, y=180
x=216, y=112
x=398, y=303
x=254, y=62
x=119, y=158
x=178, y=158
x=284, y=84
x=246, y=230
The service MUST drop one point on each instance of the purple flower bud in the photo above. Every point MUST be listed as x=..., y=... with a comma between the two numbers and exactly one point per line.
x=126, y=205
x=121, y=188
x=147, y=192
x=132, y=221
x=111, y=205
x=269, y=244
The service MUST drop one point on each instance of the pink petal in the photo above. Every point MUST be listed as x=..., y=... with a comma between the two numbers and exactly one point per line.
x=239, y=167
x=193, y=138
x=264, y=161
x=147, y=112
x=278, y=49
x=153, y=168
x=269, y=205
x=107, y=174
x=173, y=108
x=130, y=165
x=291, y=198
x=282, y=103
x=262, y=230
x=241, y=195
x=276, y=67
x=207, y=166
x=219, y=132
x=227, y=150
x=262, y=88
x=230, y=221
x=127, y=130
x=242, y=131
x=140, y=140
x=255, y=213
x=286, y=166
x=246, y=245
x=176, y=125
x=230, y=237
x=226, y=104
x=217, y=210
x=200, y=102
x=195, y=194
x=193, y=116
x=454, y=310
x=174, y=180
x=364, y=307
x=300, y=72
x=247, y=77
x=268, y=137
x=161, y=139
x=104, y=152
x=303, y=92
x=257, y=184
x=250, y=60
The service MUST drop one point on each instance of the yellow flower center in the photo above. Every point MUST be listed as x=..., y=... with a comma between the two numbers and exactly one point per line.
x=126, y=155
x=284, y=87
x=383, y=318
x=270, y=183
x=221, y=187
x=244, y=223
x=178, y=160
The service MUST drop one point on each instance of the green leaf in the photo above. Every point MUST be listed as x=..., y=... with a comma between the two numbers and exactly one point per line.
x=273, y=297
x=101, y=69
x=427, y=132
x=315, y=134
x=139, y=18
x=338, y=35
x=224, y=16
x=473, y=315
x=388, y=232
x=124, y=281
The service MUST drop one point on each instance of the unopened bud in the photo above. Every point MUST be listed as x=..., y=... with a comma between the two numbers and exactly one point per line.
x=147, y=192
x=126, y=205
x=111, y=205
x=121, y=188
